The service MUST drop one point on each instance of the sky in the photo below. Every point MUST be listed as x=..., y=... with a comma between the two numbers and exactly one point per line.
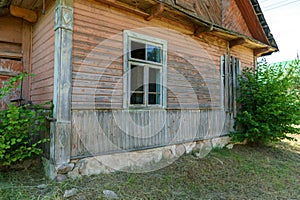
x=283, y=18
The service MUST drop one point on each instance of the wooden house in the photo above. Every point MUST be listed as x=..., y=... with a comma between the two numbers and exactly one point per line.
x=127, y=76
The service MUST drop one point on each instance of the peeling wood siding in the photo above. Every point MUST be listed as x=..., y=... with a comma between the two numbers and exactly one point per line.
x=98, y=55
x=42, y=59
x=233, y=19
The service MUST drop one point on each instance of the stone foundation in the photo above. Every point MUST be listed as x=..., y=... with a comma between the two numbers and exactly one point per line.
x=139, y=161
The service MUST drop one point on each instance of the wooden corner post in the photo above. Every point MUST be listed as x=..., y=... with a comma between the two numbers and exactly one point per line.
x=60, y=144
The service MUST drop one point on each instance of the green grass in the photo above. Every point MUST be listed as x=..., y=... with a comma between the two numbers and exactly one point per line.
x=245, y=172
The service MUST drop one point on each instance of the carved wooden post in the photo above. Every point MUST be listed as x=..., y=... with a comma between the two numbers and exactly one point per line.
x=61, y=129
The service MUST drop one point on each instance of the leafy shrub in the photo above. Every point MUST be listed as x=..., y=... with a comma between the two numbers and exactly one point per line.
x=270, y=105
x=20, y=127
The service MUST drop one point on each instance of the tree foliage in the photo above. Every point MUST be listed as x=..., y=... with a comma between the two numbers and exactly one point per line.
x=270, y=103
x=20, y=127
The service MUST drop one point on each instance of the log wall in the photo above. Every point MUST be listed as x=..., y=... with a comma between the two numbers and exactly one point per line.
x=42, y=59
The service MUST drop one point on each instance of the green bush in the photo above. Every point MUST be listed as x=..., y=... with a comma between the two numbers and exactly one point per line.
x=270, y=105
x=20, y=128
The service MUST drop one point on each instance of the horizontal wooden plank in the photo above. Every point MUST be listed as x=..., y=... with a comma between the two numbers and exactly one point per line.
x=10, y=48
x=11, y=55
x=42, y=98
x=11, y=29
x=7, y=73
x=113, y=65
x=97, y=99
x=44, y=44
x=89, y=84
x=97, y=91
x=95, y=105
x=43, y=75
x=47, y=82
x=43, y=58
x=41, y=91
x=44, y=64
x=45, y=22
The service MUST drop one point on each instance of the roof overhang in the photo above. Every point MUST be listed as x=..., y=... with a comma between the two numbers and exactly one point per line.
x=262, y=41
x=28, y=10
x=166, y=8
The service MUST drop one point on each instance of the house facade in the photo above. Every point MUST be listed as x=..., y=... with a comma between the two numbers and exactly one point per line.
x=132, y=76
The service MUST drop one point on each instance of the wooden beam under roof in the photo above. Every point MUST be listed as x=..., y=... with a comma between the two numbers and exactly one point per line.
x=200, y=24
x=202, y=29
x=24, y=13
x=235, y=42
x=124, y=6
x=261, y=51
x=155, y=11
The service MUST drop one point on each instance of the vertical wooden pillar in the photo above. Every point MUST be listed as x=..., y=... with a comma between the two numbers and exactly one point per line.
x=61, y=129
x=26, y=51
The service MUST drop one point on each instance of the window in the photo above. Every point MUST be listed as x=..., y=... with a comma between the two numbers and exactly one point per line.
x=144, y=71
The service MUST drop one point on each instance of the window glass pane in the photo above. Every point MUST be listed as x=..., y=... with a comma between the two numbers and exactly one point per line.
x=154, y=99
x=153, y=53
x=154, y=80
x=136, y=84
x=137, y=78
x=154, y=86
x=137, y=98
x=138, y=50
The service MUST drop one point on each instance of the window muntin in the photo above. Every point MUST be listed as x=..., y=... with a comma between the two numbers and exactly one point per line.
x=145, y=71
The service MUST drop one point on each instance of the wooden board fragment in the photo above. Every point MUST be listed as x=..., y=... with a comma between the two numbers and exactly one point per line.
x=24, y=13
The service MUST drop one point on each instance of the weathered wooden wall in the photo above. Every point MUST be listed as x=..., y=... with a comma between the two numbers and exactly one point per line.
x=105, y=131
x=10, y=37
x=233, y=19
x=194, y=107
x=98, y=53
x=245, y=55
x=11, y=30
x=42, y=59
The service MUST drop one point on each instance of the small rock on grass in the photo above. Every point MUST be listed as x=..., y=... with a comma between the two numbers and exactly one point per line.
x=65, y=168
x=110, y=194
x=229, y=146
x=61, y=178
x=69, y=193
x=42, y=186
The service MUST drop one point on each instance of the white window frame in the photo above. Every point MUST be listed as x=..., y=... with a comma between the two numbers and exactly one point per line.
x=128, y=61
